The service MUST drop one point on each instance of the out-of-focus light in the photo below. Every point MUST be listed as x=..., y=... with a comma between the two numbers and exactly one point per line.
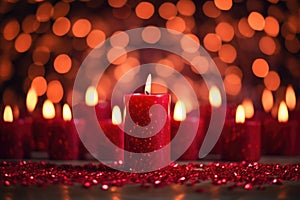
x=151, y=34
x=272, y=80
x=55, y=91
x=215, y=98
x=61, y=26
x=117, y=3
x=186, y=7
x=249, y=108
x=48, y=110
x=223, y=4
x=210, y=10
x=95, y=37
x=260, y=67
x=23, y=42
x=167, y=10
x=267, y=100
x=227, y=53
x=271, y=26
x=11, y=29
x=283, y=113
x=212, y=42
x=81, y=28
x=245, y=29
x=62, y=63
x=44, y=12
x=256, y=21
x=144, y=10
x=176, y=24
x=179, y=111
x=267, y=45
x=240, y=115
x=225, y=31
x=39, y=84
x=290, y=97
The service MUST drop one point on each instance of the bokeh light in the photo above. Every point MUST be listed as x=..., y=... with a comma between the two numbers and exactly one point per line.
x=267, y=45
x=95, y=37
x=186, y=7
x=223, y=4
x=144, y=10
x=272, y=81
x=256, y=21
x=81, y=28
x=61, y=26
x=227, y=53
x=210, y=10
x=176, y=23
x=23, y=42
x=55, y=91
x=11, y=29
x=62, y=63
x=39, y=84
x=260, y=67
x=212, y=42
x=225, y=31
x=167, y=10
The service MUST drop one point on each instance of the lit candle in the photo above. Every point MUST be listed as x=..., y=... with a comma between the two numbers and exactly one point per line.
x=113, y=130
x=11, y=144
x=241, y=139
x=180, y=118
x=63, y=142
x=147, y=120
x=280, y=137
x=41, y=129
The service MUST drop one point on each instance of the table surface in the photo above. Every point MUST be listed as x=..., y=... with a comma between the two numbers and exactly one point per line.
x=204, y=190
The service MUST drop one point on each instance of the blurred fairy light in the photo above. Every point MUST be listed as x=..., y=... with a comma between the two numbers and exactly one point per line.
x=251, y=43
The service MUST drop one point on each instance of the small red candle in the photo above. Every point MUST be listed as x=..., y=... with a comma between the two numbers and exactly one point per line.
x=41, y=129
x=179, y=117
x=240, y=139
x=280, y=137
x=63, y=141
x=113, y=130
x=140, y=119
x=11, y=137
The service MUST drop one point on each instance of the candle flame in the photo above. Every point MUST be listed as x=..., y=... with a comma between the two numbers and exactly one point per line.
x=48, y=110
x=116, y=115
x=31, y=99
x=67, y=114
x=179, y=111
x=240, y=114
x=283, y=113
x=16, y=112
x=91, y=96
x=267, y=100
x=8, y=114
x=215, y=98
x=290, y=98
x=148, y=85
x=249, y=108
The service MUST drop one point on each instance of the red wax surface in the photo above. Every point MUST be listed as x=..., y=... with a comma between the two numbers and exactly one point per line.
x=103, y=110
x=116, y=136
x=11, y=140
x=241, y=142
x=192, y=153
x=28, y=142
x=137, y=107
x=280, y=138
x=41, y=133
x=63, y=141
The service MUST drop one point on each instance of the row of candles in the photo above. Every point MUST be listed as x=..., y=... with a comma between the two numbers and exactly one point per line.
x=56, y=138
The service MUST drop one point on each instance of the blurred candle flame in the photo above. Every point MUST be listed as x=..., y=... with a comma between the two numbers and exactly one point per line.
x=16, y=112
x=91, y=96
x=116, y=116
x=31, y=99
x=215, y=98
x=283, y=113
x=290, y=98
x=67, y=114
x=240, y=114
x=48, y=110
x=148, y=85
x=249, y=108
x=8, y=114
x=267, y=100
x=179, y=111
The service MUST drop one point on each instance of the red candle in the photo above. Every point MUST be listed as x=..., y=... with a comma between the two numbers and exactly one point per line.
x=41, y=129
x=11, y=137
x=146, y=129
x=113, y=130
x=180, y=118
x=280, y=137
x=240, y=139
x=63, y=142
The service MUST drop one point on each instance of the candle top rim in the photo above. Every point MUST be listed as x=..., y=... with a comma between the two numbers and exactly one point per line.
x=152, y=94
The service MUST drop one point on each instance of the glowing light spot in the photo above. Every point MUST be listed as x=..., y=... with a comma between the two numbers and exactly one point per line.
x=186, y=7
x=179, y=111
x=41, y=55
x=11, y=29
x=267, y=100
x=62, y=63
x=117, y=3
x=95, y=37
x=67, y=114
x=116, y=116
x=117, y=56
x=30, y=24
x=91, y=96
x=176, y=24
x=39, y=84
x=290, y=97
x=271, y=26
x=151, y=34
x=55, y=91
x=48, y=110
x=61, y=26
x=6, y=69
x=167, y=10
x=23, y=42
x=260, y=67
x=119, y=39
x=81, y=28
x=256, y=21
x=249, y=108
x=283, y=113
x=201, y=63
x=232, y=83
x=210, y=10
x=144, y=10
x=215, y=98
x=31, y=99
x=245, y=29
x=223, y=4
x=234, y=70
x=44, y=12
x=227, y=53
x=8, y=114
x=61, y=9
x=272, y=80
x=225, y=31
x=212, y=42
x=240, y=114
x=267, y=45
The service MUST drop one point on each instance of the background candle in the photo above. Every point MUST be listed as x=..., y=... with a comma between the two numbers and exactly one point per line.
x=41, y=128
x=280, y=137
x=115, y=133
x=180, y=118
x=63, y=142
x=240, y=139
x=11, y=143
